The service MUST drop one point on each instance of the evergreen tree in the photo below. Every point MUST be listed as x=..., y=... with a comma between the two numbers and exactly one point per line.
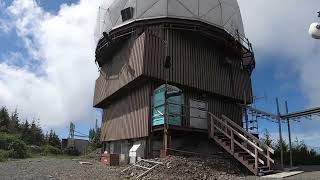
x=36, y=135
x=266, y=139
x=25, y=132
x=15, y=121
x=53, y=139
x=4, y=120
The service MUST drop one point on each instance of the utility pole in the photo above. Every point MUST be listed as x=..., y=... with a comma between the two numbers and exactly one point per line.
x=289, y=131
x=280, y=131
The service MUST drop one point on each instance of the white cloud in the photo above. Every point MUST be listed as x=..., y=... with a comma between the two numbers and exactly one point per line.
x=280, y=28
x=64, y=46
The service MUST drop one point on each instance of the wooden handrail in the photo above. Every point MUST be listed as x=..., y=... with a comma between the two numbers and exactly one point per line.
x=239, y=135
x=227, y=125
x=239, y=144
x=248, y=134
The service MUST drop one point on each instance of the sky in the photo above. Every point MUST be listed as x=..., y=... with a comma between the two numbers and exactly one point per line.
x=47, y=68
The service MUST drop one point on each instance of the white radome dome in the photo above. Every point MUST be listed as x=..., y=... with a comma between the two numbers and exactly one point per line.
x=314, y=30
x=224, y=14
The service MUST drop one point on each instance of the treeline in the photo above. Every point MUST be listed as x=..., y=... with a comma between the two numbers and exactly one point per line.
x=28, y=135
x=302, y=155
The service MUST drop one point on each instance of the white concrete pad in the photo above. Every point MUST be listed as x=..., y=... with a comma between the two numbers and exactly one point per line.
x=283, y=174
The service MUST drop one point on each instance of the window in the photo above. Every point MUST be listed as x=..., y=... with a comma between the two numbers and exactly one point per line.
x=127, y=14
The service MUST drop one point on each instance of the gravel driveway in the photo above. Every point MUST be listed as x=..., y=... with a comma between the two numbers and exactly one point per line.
x=55, y=168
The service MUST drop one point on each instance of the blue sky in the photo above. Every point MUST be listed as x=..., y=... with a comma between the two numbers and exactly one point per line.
x=47, y=43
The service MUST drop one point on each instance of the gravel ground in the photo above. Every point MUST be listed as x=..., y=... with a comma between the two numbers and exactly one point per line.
x=56, y=168
x=179, y=168
x=189, y=168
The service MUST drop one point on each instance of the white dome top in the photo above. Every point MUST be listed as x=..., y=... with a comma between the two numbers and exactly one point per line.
x=314, y=30
x=224, y=14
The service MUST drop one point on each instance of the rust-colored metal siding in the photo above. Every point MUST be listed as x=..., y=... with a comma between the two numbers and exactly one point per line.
x=125, y=66
x=128, y=116
x=196, y=62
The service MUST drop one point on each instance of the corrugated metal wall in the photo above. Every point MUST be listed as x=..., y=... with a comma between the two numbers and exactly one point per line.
x=198, y=68
x=123, y=68
x=196, y=62
x=128, y=116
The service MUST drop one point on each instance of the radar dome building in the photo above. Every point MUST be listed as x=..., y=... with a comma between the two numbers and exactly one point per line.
x=197, y=47
x=314, y=30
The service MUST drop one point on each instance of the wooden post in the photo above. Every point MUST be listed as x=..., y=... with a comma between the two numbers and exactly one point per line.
x=232, y=142
x=268, y=161
x=212, y=126
x=256, y=158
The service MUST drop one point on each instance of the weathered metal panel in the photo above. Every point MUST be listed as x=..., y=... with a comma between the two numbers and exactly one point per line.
x=215, y=105
x=198, y=114
x=196, y=63
x=123, y=68
x=128, y=116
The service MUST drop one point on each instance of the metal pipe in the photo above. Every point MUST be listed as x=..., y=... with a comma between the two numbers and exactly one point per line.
x=301, y=113
x=289, y=131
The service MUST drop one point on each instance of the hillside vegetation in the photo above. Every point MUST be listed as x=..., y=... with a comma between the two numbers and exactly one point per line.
x=21, y=139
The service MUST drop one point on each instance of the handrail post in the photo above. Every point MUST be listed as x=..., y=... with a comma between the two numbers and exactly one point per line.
x=232, y=142
x=256, y=158
x=268, y=161
x=212, y=126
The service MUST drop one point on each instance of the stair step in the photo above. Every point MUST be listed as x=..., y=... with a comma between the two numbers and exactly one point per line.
x=217, y=133
x=242, y=152
x=247, y=156
x=227, y=143
x=224, y=139
x=252, y=161
x=267, y=172
x=263, y=167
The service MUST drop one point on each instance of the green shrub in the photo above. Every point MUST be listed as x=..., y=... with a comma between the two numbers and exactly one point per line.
x=4, y=155
x=7, y=139
x=50, y=150
x=14, y=147
x=18, y=149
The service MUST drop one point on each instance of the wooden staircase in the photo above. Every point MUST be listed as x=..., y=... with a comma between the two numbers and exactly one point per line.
x=244, y=147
